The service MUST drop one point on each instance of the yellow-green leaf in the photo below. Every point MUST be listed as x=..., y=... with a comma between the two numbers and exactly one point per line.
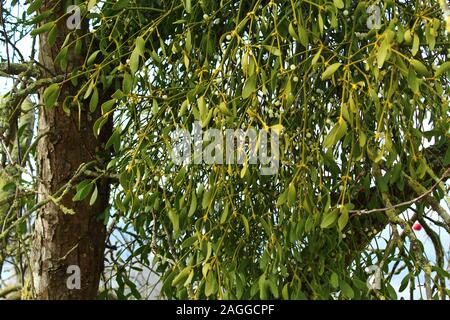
x=420, y=67
x=329, y=219
x=338, y=131
x=292, y=194
x=273, y=50
x=249, y=86
x=382, y=53
x=246, y=226
x=140, y=46
x=443, y=68
x=201, y=104
x=343, y=218
x=175, y=219
x=334, y=280
x=416, y=44
x=330, y=70
x=182, y=276
x=338, y=4
x=193, y=205
x=303, y=34
x=292, y=32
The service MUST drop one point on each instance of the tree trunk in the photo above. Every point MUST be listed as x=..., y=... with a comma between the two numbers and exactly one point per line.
x=62, y=240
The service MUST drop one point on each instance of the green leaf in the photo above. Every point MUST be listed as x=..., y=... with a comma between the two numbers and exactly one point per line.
x=273, y=288
x=91, y=4
x=281, y=199
x=134, y=60
x=93, y=196
x=343, y=218
x=51, y=95
x=61, y=57
x=189, y=242
x=443, y=68
x=263, y=287
x=224, y=109
x=182, y=276
x=121, y=4
x=211, y=285
x=329, y=219
x=174, y=219
x=201, y=104
x=334, y=280
x=292, y=32
x=413, y=82
x=83, y=190
x=347, y=291
x=447, y=157
x=140, y=46
x=44, y=28
x=132, y=287
x=338, y=131
x=113, y=140
x=36, y=4
x=391, y=293
x=382, y=53
x=420, y=67
x=225, y=212
x=155, y=107
x=404, y=283
x=52, y=36
x=187, y=6
x=9, y=187
x=330, y=70
x=108, y=105
x=416, y=45
x=92, y=57
x=338, y=4
x=127, y=84
x=249, y=86
x=285, y=292
x=316, y=57
x=246, y=226
x=98, y=125
x=303, y=36
x=94, y=101
x=273, y=50
x=193, y=205
x=292, y=194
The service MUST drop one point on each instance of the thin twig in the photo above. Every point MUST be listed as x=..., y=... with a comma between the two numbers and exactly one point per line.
x=423, y=195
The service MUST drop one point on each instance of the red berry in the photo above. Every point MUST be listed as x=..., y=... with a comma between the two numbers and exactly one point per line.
x=417, y=226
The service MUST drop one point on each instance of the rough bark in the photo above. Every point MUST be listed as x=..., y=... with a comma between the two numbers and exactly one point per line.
x=62, y=240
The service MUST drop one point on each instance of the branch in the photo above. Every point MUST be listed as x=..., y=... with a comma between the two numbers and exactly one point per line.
x=418, y=188
x=425, y=194
x=12, y=288
x=50, y=198
x=14, y=69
